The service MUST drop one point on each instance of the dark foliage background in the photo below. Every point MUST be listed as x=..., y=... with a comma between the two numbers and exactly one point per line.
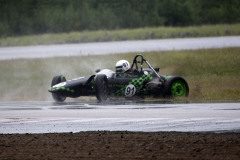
x=24, y=17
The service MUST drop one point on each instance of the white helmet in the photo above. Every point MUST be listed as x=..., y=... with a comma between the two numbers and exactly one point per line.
x=122, y=66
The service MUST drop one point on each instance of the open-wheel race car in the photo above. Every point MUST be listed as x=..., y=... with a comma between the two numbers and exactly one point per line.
x=128, y=81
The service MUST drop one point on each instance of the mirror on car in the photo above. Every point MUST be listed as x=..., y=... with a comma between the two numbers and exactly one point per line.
x=97, y=70
x=156, y=69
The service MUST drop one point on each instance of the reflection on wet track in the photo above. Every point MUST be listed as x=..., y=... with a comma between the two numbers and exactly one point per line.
x=146, y=116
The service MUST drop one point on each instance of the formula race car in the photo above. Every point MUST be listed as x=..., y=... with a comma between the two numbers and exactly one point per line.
x=128, y=81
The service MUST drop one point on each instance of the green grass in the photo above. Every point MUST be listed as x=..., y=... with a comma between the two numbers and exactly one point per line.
x=121, y=35
x=213, y=75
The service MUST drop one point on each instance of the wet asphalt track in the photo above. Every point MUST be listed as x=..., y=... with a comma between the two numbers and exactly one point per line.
x=146, y=116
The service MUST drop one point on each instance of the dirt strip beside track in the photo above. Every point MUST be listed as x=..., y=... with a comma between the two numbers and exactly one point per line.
x=120, y=145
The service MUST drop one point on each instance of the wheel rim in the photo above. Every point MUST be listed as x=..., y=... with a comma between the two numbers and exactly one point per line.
x=178, y=88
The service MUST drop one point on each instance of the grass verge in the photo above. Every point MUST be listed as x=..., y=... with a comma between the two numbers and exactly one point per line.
x=213, y=75
x=125, y=34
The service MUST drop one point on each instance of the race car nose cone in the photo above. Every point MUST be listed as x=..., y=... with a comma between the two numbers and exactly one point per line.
x=61, y=89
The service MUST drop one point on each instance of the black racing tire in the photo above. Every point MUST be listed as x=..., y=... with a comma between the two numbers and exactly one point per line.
x=175, y=87
x=101, y=84
x=58, y=79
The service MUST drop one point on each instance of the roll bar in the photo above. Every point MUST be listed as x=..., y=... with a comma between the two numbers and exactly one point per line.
x=162, y=79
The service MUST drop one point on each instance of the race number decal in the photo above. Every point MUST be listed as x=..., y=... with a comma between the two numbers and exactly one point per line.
x=130, y=90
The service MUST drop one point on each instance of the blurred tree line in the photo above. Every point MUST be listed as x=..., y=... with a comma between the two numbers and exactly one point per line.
x=23, y=17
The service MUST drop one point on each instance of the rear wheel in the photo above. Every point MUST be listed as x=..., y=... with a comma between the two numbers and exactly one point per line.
x=56, y=80
x=101, y=87
x=176, y=87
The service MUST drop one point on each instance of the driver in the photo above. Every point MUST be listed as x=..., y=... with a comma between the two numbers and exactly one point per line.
x=122, y=66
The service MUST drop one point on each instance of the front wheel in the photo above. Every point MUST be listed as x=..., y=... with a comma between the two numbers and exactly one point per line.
x=176, y=87
x=56, y=80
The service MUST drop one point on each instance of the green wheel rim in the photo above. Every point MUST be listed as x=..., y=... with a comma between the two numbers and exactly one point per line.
x=178, y=88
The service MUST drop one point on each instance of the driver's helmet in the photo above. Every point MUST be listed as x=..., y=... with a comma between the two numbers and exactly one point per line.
x=122, y=66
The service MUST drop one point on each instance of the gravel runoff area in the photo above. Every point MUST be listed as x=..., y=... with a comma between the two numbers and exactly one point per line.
x=121, y=145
